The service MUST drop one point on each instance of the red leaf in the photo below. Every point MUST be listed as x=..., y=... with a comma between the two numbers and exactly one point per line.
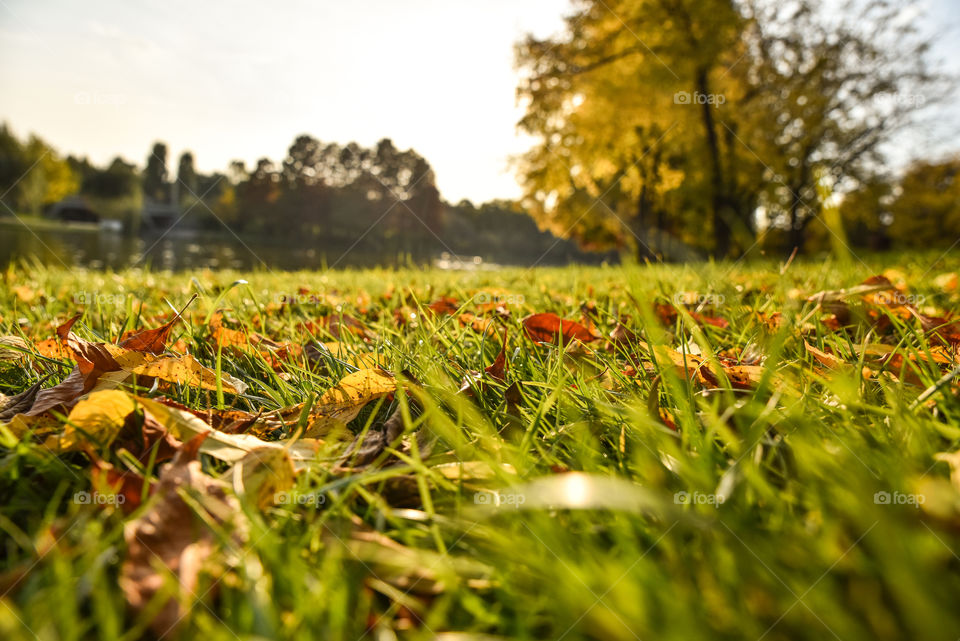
x=547, y=327
x=445, y=305
x=153, y=341
x=498, y=369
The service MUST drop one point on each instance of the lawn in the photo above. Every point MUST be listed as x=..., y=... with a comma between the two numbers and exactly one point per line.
x=713, y=451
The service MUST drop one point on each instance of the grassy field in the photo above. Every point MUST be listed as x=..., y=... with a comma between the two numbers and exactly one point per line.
x=721, y=457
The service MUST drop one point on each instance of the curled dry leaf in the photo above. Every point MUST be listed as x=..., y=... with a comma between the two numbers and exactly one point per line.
x=341, y=403
x=96, y=419
x=869, y=286
x=264, y=474
x=229, y=448
x=498, y=369
x=102, y=366
x=182, y=370
x=152, y=341
x=550, y=328
x=13, y=348
x=444, y=305
x=178, y=538
x=10, y=406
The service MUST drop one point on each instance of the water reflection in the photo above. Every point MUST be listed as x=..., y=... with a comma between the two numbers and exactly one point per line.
x=95, y=248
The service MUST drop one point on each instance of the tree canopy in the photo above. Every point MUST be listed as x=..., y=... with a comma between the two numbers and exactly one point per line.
x=664, y=125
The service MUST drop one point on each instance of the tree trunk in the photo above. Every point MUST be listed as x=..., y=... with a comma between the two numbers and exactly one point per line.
x=718, y=199
x=638, y=226
x=796, y=229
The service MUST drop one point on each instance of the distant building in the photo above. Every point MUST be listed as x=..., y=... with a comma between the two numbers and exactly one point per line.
x=73, y=209
x=159, y=215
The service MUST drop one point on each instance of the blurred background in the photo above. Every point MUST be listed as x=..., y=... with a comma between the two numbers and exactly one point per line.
x=470, y=135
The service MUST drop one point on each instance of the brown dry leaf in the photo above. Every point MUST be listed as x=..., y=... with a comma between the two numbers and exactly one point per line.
x=183, y=370
x=100, y=365
x=40, y=426
x=13, y=348
x=65, y=393
x=97, y=419
x=477, y=324
x=825, y=358
x=945, y=330
x=106, y=479
x=364, y=451
x=869, y=286
x=229, y=448
x=898, y=362
x=239, y=421
x=444, y=305
x=549, y=328
x=498, y=370
x=623, y=336
x=146, y=438
x=10, y=406
x=264, y=474
x=668, y=315
x=692, y=366
x=834, y=363
x=173, y=538
x=343, y=324
x=153, y=341
x=345, y=400
x=743, y=376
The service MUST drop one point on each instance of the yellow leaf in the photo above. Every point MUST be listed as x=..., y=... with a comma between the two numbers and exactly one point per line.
x=97, y=419
x=265, y=473
x=184, y=370
x=220, y=445
x=347, y=398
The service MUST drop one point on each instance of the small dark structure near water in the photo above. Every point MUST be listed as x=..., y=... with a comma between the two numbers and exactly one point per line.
x=159, y=215
x=73, y=209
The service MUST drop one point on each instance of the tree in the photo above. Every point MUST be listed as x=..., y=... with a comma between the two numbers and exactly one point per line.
x=625, y=107
x=694, y=117
x=13, y=165
x=115, y=192
x=186, y=185
x=926, y=209
x=836, y=85
x=155, y=176
x=48, y=178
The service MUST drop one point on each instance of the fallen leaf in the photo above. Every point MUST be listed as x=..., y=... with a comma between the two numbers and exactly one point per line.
x=342, y=403
x=173, y=534
x=549, y=328
x=498, y=369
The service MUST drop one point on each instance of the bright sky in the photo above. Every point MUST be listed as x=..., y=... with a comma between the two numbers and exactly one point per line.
x=113, y=76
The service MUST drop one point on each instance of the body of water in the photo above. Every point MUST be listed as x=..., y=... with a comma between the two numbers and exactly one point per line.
x=88, y=246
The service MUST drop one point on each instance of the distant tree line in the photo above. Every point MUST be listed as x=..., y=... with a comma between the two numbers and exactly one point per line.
x=320, y=193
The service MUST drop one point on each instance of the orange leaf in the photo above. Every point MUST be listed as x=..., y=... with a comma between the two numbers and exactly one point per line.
x=548, y=328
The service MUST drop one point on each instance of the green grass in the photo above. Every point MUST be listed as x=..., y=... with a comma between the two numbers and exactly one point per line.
x=800, y=548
